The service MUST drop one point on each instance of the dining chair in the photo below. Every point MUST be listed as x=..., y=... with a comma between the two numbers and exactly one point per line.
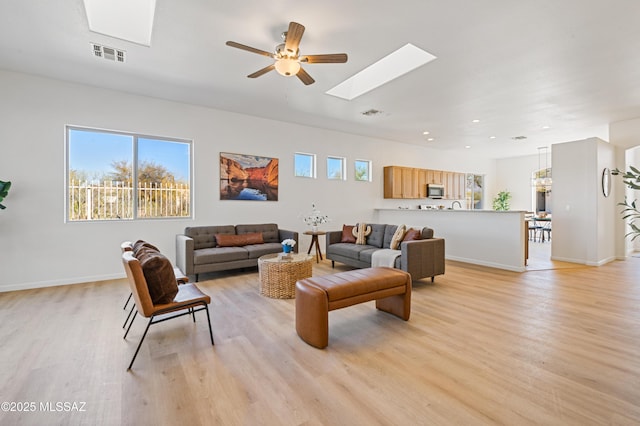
x=181, y=278
x=189, y=300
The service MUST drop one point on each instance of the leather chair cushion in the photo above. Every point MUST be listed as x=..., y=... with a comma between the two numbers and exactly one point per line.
x=159, y=275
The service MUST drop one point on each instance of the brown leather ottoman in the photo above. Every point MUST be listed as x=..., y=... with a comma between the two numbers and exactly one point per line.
x=316, y=296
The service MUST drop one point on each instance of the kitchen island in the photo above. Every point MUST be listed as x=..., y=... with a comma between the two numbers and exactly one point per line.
x=482, y=237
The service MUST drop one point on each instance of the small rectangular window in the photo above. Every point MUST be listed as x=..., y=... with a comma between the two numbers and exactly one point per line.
x=117, y=175
x=336, y=168
x=304, y=165
x=363, y=170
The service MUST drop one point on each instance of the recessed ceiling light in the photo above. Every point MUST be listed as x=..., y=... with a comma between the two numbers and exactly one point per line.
x=392, y=66
x=467, y=146
x=430, y=139
x=545, y=127
x=492, y=137
x=130, y=20
x=475, y=121
x=425, y=133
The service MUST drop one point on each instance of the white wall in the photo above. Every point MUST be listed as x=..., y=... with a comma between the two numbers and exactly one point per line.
x=514, y=175
x=626, y=135
x=583, y=219
x=39, y=249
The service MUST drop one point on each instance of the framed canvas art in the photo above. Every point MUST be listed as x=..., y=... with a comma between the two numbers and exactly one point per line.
x=248, y=177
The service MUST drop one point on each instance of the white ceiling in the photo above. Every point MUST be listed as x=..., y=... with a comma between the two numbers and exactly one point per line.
x=516, y=66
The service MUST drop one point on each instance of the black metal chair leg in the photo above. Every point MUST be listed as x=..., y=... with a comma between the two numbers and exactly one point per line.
x=130, y=324
x=127, y=302
x=128, y=316
x=140, y=344
x=209, y=322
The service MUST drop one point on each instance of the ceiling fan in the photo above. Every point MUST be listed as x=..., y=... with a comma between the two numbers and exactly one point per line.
x=287, y=56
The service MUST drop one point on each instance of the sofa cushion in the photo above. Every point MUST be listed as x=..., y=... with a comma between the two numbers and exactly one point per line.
x=348, y=249
x=397, y=237
x=257, y=250
x=219, y=255
x=269, y=231
x=366, y=254
x=227, y=240
x=389, y=230
x=347, y=234
x=412, y=234
x=376, y=238
x=205, y=236
x=159, y=275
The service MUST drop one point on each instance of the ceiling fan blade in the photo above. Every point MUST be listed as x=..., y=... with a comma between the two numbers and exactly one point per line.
x=249, y=49
x=294, y=35
x=304, y=77
x=262, y=71
x=324, y=59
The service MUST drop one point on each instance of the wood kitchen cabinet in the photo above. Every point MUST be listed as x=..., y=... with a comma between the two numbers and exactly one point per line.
x=454, y=185
x=435, y=176
x=411, y=183
x=401, y=182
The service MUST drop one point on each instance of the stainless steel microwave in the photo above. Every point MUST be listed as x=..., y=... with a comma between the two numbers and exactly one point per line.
x=435, y=190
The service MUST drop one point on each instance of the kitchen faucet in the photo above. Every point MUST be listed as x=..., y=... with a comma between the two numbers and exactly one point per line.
x=458, y=202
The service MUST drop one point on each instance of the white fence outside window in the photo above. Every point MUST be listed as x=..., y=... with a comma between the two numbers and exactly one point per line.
x=116, y=200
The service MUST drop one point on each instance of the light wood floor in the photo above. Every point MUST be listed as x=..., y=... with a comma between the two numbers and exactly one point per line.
x=483, y=346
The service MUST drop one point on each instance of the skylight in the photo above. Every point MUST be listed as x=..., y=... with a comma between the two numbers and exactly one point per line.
x=392, y=66
x=130, y=20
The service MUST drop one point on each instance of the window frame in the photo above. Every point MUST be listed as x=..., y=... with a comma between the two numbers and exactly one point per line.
x=313, y=165
x=343, y=167
x=134, y=161
x=355, y=169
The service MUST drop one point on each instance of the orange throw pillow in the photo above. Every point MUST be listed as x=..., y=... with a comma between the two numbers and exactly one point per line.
x=232, y=240
x=347, y=234
x=412, y=234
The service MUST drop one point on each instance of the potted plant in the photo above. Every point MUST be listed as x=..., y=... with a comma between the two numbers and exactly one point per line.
x=4, y=191
x=501, y=201
x=315, y=218
x=631, y=178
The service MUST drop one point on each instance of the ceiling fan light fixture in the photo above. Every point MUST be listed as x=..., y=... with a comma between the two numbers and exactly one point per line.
x=287, y=67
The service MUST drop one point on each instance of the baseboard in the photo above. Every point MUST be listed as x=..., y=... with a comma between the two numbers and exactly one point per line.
x=488, y=264
x=56, y=283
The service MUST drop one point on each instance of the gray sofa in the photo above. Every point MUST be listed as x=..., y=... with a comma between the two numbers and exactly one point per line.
x=420, y=258
x=198, y=249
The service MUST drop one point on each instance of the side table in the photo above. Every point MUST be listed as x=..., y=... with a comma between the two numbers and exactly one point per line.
x=278, y=273
x=314, y=241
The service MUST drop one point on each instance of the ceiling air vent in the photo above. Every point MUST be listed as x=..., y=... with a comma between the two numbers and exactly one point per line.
x=519, y=138
x=371, y=112
x=108, y=53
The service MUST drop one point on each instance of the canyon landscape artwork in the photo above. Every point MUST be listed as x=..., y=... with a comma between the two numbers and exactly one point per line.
x=248, y=177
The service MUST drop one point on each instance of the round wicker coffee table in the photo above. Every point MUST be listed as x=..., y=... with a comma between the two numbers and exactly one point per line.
x=279, y=273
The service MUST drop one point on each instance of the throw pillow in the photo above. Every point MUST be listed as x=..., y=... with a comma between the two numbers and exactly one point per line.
x=361, y=231
x=232, y=240
x=140, y=244
x=347, y=234
x=161, y=280
x=412, y=234
x=397, y=237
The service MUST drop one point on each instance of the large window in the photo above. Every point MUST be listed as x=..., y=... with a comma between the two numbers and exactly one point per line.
x=116, y=175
